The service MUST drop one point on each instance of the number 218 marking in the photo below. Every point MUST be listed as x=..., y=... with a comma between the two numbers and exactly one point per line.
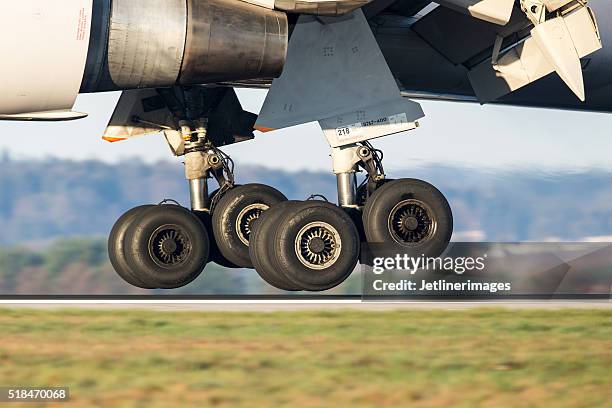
x=345, y=131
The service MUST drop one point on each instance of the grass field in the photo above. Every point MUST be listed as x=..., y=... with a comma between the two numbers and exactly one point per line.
x=481, y=357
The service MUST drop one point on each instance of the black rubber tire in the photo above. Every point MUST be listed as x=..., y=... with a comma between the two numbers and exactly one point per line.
x=297, y=272
x=140, y=254
x=380, y=206
x=261, y=247
x=226, y=214
x=116, y=248
x=215, y=255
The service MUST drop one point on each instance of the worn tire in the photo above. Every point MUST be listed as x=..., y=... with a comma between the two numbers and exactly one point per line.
x=232, y=217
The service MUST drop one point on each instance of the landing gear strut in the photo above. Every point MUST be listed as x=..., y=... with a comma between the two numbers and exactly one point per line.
x=168, y=246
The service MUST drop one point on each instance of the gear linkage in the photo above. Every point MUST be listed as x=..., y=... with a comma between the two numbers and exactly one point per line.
x=225, y=177
x=372, y=164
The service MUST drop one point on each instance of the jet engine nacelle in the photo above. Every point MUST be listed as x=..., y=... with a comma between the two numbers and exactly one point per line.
x=167, y=42
x=52, y=51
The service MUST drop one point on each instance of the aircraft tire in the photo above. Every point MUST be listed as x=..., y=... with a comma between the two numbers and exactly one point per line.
x=116, y=248
x=167, y=245
x=233, y=216
x=260, y=247
x=411, y=215
x=316, y=246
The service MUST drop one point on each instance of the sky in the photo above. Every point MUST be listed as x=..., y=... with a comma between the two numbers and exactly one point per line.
x=468, y=135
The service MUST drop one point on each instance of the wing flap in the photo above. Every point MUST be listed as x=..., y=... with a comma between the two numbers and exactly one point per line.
x=320, y=7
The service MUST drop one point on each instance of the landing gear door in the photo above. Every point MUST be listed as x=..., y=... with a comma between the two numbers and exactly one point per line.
x=336, y=74
x=369, y=123
x=143, y=112
x=139, y=112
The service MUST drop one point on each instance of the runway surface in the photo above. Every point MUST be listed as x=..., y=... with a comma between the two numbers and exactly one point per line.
x=300, y=305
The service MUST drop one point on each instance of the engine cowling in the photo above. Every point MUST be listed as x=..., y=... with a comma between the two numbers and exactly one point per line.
x=44, y=47
x=167, y=42
x=54, y=51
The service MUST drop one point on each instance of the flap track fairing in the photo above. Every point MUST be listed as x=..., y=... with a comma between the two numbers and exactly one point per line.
x=563, y=32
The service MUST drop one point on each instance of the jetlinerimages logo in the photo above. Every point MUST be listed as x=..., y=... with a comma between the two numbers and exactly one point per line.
x=405, y=285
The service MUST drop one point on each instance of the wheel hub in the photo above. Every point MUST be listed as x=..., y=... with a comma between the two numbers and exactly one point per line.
x=318, y=245
x=169, y=246
x=245, y=219
x=411, y=222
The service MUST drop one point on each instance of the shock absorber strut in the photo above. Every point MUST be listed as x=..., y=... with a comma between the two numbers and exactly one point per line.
x=202, y=160
x=347, y=161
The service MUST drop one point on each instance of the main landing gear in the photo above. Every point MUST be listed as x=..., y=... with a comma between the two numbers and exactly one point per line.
x=294, y=245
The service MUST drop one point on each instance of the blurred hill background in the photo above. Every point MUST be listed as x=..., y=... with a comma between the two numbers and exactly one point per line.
x=48, y=199
x=55, y=214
